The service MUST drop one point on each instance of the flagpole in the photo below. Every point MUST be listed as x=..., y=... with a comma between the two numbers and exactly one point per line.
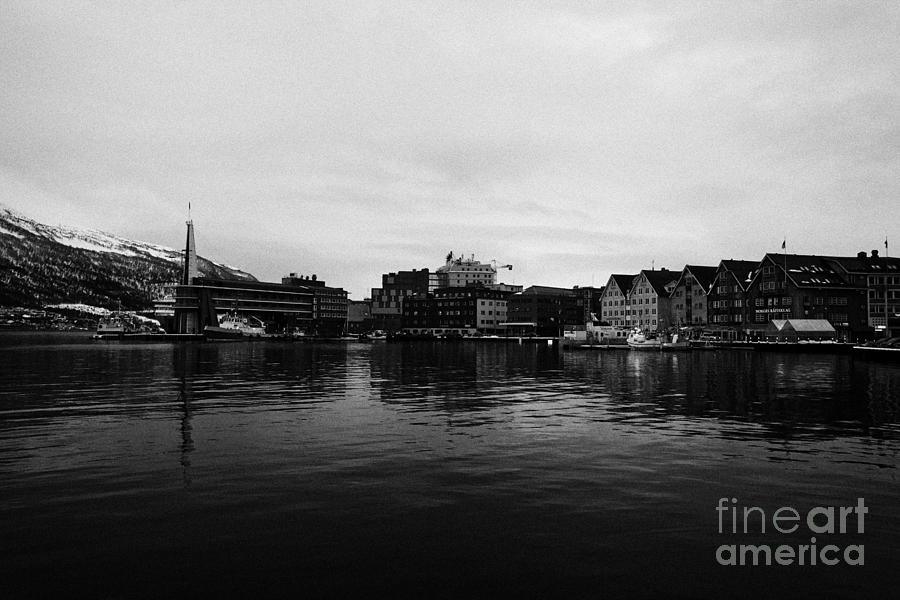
x=784, y=247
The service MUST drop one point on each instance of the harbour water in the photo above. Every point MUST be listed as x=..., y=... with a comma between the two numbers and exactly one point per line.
x=447, y=468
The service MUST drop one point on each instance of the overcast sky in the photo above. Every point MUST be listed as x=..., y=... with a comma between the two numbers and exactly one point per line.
x=571, y=139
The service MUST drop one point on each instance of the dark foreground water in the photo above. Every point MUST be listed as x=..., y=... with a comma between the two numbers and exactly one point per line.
x=450, y=469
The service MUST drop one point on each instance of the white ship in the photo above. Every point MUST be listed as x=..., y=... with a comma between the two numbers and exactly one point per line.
x=233, y=324
x=638, y=340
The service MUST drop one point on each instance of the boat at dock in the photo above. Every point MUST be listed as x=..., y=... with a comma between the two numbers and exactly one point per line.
x=119, y=324
x=676, y=344
x=233, y=325
x=638, y=340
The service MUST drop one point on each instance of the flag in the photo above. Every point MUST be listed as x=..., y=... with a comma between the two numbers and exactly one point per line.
x=784, y=244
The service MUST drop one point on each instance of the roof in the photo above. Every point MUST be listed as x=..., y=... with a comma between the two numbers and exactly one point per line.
x=659, y=279
x=546, y=290
x=807, y=270
x=705, y=276
x=802, y=325
x=623, y=282
x=867, y=264
x=743, y=270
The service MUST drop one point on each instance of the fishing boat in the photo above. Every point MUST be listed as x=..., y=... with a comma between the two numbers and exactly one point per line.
x=676, y=344
x=119, y=324
x=116, y=323
x=638, y=340
x=233, y=325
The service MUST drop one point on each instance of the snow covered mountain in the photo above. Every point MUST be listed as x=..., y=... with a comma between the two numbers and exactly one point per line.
x=41, y=264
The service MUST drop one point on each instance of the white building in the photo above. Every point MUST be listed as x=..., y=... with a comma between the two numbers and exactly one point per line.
x=614, y=308
x=489, y=313
x=463, y=272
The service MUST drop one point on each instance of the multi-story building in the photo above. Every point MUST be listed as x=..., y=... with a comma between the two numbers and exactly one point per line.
x=282, y=308
x=329, y=304
x=589, y=301
x=462, y=272
x=359, y=316
x=490, y=311
x=804, y=286
x=727, y=303
x=387, y=301
x=614, y=307
x=649, y=300
x=689, y=298
x=880, y=276
x=550, y=309
x=457, y=310
x=199, y=301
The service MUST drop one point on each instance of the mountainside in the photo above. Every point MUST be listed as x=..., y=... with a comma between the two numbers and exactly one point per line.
x=41, y=264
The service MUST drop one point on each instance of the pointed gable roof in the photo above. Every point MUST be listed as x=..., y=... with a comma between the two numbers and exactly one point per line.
x=658, y=280
x=704, y=276
x=743, y=270
x=623, y=282
x=808, y=270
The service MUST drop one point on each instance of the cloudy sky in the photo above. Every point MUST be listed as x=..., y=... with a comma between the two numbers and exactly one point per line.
x=571, y=139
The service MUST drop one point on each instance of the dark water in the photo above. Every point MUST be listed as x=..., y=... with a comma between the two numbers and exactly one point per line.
x=450, y=469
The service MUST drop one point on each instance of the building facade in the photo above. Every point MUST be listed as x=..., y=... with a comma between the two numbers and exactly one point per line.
x=727, y=302
x=330, y=307
x=589, y=301
x=456, y=311
x=550, y=309
x=282, y=308
x=462, y=272
x=689, y=298
x=880, y=276
x=359, y=316
x=396, y=288
x=800, y=286
x=614, y=309
x=649, y=299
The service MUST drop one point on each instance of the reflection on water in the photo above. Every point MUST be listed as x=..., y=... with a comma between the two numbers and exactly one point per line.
x=448, y=466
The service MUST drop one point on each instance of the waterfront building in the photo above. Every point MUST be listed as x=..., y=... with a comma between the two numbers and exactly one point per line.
x=689, y=298
x=387, y=301
x=797, y=330
x=550, y=309
x=614, y=309
x=880, y=276
x=330, y=306
x=297, y=304
x=359, y=316
x=801, y=286
x=589, y=301
x=282, y=308
x=456, y=311
x=649, y=299
x=727, y=303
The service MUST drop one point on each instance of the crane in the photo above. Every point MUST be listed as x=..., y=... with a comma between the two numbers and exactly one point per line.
x=494, y=264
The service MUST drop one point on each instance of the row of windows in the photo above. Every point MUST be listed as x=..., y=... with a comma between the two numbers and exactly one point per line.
x=728, y=303
x=882, y=280
x=781, y=301
x=733, y=318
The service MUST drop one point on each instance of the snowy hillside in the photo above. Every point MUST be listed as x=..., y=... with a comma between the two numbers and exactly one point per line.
x=41, y=264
